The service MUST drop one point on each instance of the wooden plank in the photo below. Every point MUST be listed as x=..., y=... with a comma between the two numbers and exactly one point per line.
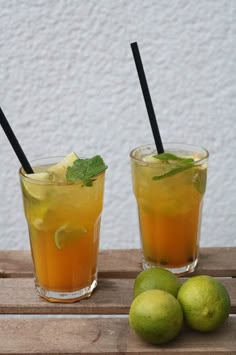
x=104, y=336
x=19, y=296
x=124, y=263
x=113, y=296
x=15, y=263
x=215, y=261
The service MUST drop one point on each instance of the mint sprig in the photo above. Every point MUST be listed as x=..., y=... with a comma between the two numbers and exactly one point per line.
x=170, y=156
x=85, y=170
x=180, y=165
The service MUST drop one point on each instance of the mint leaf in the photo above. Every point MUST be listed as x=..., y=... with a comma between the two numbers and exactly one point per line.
x=180, y=165
x=174, y=171
x=170, y=156
x=85, y=170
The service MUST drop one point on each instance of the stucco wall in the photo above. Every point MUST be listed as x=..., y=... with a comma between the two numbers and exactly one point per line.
x=68, y=83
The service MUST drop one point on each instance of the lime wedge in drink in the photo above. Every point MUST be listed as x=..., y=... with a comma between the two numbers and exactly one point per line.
x=158, y=166
x=34, y=186
x=38, y=223
x=170, y=164
x=59, y=169
x=200, y=178
x=67, y=233
x=151, y=159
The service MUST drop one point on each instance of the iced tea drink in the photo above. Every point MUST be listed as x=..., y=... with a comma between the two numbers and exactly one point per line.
x=64, y=225
x=169, y=191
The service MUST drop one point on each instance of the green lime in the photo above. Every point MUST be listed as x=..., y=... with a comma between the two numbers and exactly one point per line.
x=34, y=185
x=199, y=178
x=156, y=316
x=205, y=302
x=66, y=234
x=156, y=278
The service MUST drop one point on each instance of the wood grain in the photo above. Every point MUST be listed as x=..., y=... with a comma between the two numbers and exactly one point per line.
x=124, y=263
x=77, y=328
x=113, y=296
x=15, y=263
x=214, y=261
x=104, y=336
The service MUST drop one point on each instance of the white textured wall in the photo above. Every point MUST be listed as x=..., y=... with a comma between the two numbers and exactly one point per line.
x=68, y=82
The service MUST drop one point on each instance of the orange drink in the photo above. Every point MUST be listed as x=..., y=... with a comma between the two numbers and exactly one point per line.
x=169, y=190
x=64, y=225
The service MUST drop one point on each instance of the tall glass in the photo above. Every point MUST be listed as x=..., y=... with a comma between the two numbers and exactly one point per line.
x=64, y=225
x=169, y=205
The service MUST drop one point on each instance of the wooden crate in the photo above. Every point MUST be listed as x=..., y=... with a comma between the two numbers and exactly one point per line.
x=99, y=325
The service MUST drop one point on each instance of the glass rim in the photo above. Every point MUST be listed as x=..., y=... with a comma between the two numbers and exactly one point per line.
x=57, y=158
x=197, y=147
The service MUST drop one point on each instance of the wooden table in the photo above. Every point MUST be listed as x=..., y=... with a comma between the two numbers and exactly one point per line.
x=100, y=324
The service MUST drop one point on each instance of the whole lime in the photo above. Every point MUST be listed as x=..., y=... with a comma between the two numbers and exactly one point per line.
x=205, y=302
x=156, y=316
x=156, y=279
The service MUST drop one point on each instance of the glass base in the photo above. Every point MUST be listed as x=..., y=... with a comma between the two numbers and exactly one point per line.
x=178, y=271
x=74, y=296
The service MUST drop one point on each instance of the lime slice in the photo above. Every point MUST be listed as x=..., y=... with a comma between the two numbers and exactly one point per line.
x=35, y=188
x=59, y=169
x=200, y=178
x=38, y=224
x=151, y=159
x=156, y=167
x=67, y=234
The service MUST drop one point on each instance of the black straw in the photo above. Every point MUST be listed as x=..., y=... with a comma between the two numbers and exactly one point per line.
x=147, y=98
x=15, y=144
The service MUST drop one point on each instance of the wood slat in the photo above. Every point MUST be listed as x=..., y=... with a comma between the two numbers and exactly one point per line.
x=214, y=261
x=15, y=263
x=113, y=296
x=104, y=336
x=125, y=263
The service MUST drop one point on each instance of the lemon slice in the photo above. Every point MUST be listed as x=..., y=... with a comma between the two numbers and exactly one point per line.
x=59, y=169
x=67, y=234
x=35, y=188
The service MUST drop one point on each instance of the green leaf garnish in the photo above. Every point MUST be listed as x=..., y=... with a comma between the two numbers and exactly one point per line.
x=174, y=171
x=85, y=170
x=180, y=165
x=169, y=156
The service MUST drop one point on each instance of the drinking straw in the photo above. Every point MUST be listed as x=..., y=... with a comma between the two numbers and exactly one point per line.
x=15, y=144
x=147, y=98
